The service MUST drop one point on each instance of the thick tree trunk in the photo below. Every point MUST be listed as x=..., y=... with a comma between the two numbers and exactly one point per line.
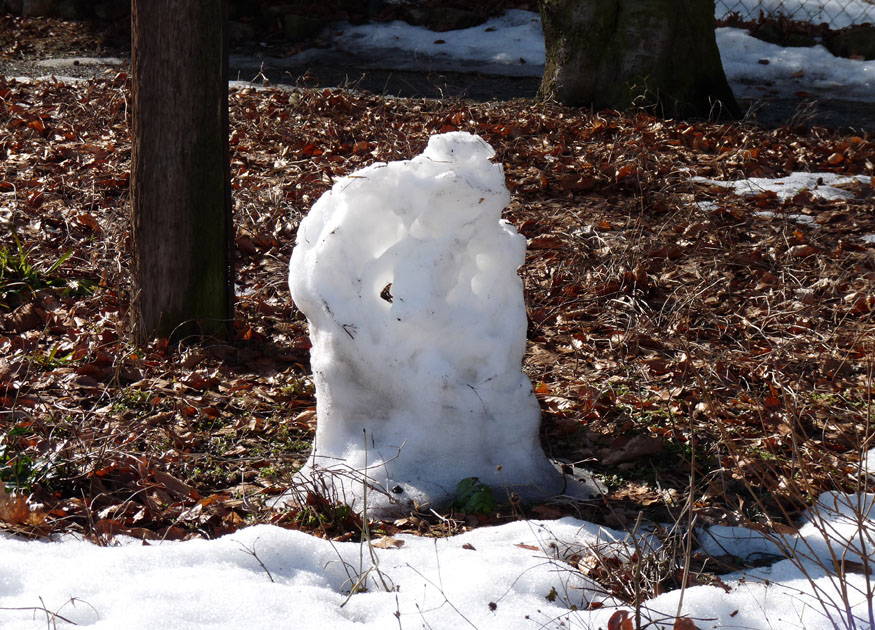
x=618, y=54
x=180, y=173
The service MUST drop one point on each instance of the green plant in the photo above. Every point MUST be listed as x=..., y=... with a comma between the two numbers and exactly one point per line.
x=53, y=359
x=298, y=387
x=473, y=497
x=20, y=466
x=18, y=274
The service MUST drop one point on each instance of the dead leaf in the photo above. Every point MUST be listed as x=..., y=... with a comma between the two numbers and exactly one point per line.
x=620, y=620
x=784, y=530
x=672, y=252
x=853, y=566
x=13, y=507
x=36, y=199
x=26, y=317
x=772, y=402
x=89, y=221
x=15, y=510
x=175, y=486
x=387, y=542
x=862, y=304
x=801, y=251
x=546, y=242
x=638, y=447
x=546, y=511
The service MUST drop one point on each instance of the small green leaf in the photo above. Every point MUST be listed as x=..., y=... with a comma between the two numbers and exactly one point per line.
x=473, y=497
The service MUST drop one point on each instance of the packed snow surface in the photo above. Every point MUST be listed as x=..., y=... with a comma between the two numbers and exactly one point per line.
x=408, y=277
x=515, y=576
x=756, y=68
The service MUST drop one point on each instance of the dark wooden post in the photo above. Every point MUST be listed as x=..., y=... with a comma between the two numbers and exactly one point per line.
x=180, y=172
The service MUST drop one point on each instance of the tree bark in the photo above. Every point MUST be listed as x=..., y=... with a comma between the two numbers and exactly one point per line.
x=619, y=54
x=180, y=171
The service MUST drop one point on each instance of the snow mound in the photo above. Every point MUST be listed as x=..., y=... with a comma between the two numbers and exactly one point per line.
x=407, y=275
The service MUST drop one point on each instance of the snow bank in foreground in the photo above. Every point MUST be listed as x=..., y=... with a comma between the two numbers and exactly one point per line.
x=503, y=578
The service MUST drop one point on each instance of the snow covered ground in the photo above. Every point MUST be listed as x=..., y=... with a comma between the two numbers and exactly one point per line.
x=512, y=44
x=506, y=577
x=510, y=577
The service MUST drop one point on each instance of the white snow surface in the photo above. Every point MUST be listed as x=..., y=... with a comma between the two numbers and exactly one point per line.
x=755, y=68
x=512, y=40
x=408, y=277
x=823, y=185
x=266, y=577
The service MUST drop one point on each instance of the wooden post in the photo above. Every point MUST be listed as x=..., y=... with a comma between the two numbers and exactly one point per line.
x=180, y=172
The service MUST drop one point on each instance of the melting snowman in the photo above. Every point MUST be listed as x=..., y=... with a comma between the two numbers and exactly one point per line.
x=408, y=276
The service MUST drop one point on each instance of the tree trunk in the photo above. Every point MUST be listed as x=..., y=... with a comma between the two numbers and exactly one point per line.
x=618, y=54
x=180, y=173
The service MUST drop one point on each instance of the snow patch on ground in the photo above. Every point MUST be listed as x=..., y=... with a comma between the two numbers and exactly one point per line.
x=822, y=185
x=512, y=41
x=756, y=68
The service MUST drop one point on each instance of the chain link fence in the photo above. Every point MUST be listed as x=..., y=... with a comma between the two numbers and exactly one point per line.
x=837, y=13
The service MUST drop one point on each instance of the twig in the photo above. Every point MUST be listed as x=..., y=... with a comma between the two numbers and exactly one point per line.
x=52, y=616
x=251, y=552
